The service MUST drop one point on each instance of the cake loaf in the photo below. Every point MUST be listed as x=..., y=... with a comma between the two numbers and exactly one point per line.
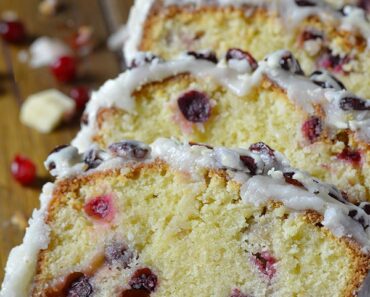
x=320, y=35
x=176, y=219
x=319, y=125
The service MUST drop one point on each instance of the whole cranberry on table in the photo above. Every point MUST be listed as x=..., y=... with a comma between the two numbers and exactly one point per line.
x=23, y=170
x=12, y=31
x=81, y=96
x=64, y=69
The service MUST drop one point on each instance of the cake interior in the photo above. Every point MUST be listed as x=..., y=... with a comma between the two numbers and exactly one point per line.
x=172, y=30
x=264, y=114
x=165, y=233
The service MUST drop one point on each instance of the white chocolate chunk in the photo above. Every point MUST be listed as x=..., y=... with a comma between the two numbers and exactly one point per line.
x=45, y=110
x=45, y=51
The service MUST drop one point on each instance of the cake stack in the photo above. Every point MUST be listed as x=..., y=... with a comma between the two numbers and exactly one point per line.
x=231, y=159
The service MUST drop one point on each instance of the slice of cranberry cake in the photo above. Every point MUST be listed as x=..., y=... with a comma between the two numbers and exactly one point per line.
x=173, y=219
x=320, y=35
x=319, y=125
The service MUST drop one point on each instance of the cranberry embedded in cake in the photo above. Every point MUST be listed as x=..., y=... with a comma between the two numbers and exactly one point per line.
x=333, y=62
x=288, y=176
x=195, y=106
x=352, y=156
x=312, y=129
x=80, y=287
x=249, y=163
x=354, y=103
x=240, y=55
x=237, y=293
x=144, y=279
x=101, y=208
x=265, y=263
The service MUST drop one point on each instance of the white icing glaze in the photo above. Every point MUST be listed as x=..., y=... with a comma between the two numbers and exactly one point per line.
x=21, y=264
x=268, y=183
x=135, y=25
x=354, y=19
x=300, y=90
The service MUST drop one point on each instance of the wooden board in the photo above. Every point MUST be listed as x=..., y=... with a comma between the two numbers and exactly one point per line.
x=103, y=16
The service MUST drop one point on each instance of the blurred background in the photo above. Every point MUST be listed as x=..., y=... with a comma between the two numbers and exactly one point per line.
x=82, y=26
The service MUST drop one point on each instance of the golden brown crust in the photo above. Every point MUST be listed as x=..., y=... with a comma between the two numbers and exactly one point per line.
x=360, y=260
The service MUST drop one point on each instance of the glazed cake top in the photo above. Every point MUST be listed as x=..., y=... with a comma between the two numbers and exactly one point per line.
x=342, y=109
x=350, y=18
x=263, y=175
x=262, y=172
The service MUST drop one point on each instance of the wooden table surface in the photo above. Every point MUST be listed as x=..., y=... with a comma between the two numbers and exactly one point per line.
x=18, y=80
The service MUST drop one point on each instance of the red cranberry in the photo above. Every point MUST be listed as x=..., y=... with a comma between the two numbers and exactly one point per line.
x=288, y=176
x=81, y=287
x=354, y=103
x=80, y=95
x=237, y=293
x=209, y=56
x=326, y=80
x=130, y=149
x=23, y=170
x=265, y=263
x=364, y=4
x=195, y=106
x=93, y=158
x=249, y=163
x=238, y=54
x=339, y=196
x=12, y=31
x=289, y=63
x=366, y=207
x=144, y=279
x=312, y=129
x=100, y=208
x=353, y=213
x=351, y=156
x=64, y=69
x=261, y=147
x=333, y=62
x=310, y=35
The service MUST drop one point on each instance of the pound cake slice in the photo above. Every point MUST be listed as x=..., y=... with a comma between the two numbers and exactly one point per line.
x=320, y=35
x=314, y=121
x=173, y=219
